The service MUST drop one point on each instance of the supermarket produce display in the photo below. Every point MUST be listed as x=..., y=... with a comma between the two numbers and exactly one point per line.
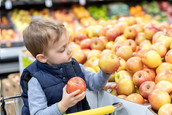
x=132, y=40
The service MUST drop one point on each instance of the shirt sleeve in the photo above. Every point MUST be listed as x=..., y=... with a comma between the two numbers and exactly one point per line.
x=37, y=100
x=95, y=81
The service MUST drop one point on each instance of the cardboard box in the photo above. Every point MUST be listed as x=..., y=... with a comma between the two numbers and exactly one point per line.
x=7, y=88
x=14, y=80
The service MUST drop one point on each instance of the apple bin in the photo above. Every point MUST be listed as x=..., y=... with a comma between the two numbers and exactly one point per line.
x=102, y=98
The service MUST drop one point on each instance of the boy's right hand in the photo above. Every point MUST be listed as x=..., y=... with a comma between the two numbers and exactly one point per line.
x=69, y=100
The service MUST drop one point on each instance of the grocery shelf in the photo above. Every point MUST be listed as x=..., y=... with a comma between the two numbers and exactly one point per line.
x=9, y=67
x=10, y=53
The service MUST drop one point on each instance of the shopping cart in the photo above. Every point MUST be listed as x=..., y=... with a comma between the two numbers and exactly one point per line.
x=100, y=102
x=15, y=100
x=110, y=109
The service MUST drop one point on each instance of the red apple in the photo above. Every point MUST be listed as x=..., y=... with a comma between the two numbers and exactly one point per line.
x=125, y=87
x=121, y=75
x=103, y=31
x=158, y=98
x=74, y=84
x=170, y=33
x=131, y=43
x=151, y=59
x=130, y=20
x=151, y=73
x=141, y=76
x=166, y=40
x=105, y=52
x=157, y=35
x=122, y=64
x=80, y=37
x=120, y=38
x=134, y=64
x=146, y=88
x=140, y=38
x=168, y=56
x=130, y=32
x=135, y=97
x=104, y=39
x=138, y=28
x=80, y=56
x=145, y=45
x=122, y=96
x=165, y=110
x=111, y=34
x=160, y=48
x=164, y=75
x=86, y=43
x=164, y=66
x=109, y=63
x=150, y=30
x=163, y=26
x=122, y=26
x=90, y=69
x=97, y=44
x=124, y=52
x=94, y=53
x=86, y=51
x=109, y=45
x=165, y=86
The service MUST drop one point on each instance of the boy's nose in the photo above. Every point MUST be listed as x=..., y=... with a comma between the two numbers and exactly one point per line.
x=69, y=51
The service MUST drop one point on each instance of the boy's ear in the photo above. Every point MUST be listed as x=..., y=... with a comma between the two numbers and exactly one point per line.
x=41, y=58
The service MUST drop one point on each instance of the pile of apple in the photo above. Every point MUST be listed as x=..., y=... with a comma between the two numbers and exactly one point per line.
x=83, y=15
x=8, y=35
x=141, y=54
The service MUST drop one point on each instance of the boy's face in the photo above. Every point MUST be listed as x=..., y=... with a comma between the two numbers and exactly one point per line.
x=59, y=52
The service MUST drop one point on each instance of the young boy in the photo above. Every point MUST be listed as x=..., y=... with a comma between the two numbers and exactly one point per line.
x=44, y=81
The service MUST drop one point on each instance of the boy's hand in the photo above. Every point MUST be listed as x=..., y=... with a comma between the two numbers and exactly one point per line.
x=69, y=100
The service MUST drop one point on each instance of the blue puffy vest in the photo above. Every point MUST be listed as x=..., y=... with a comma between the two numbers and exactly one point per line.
x=52, y=80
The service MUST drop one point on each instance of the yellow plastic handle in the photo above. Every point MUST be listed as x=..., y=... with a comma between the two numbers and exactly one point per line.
x=97, y=111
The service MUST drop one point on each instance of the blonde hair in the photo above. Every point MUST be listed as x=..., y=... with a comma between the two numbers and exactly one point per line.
x=40, y=33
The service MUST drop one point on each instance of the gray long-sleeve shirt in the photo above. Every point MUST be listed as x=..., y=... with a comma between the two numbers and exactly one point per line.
x=37, y=99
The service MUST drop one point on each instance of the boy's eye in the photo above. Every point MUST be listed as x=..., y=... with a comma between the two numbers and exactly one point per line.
x=62, y=50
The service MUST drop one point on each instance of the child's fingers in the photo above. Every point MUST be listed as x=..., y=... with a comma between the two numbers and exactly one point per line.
x=80, y=96
x=75, y=93
x=64, y=88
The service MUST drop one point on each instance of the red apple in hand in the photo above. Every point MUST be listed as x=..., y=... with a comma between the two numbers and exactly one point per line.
x=146, y=88
x=74, y=84
x=141, y=76
x=109, y=63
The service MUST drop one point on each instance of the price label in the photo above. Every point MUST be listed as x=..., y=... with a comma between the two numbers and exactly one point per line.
x=82, y=2
x=48, y=3
x=8, y=4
